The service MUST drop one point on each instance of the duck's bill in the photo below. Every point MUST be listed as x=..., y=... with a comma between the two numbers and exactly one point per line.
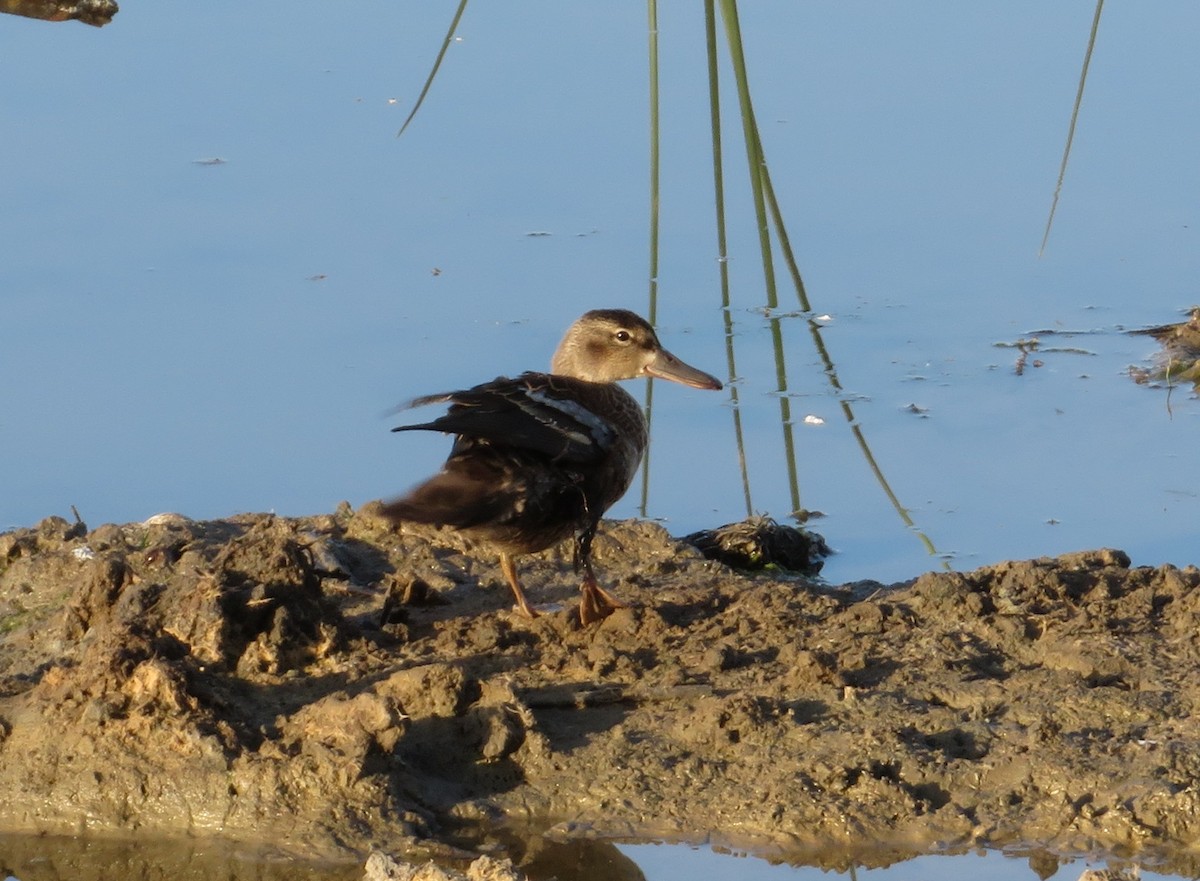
x=667, y=366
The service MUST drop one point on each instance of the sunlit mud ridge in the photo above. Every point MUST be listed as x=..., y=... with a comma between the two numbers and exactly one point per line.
x=329, y=685
x=1178, y=362
x=94, y=12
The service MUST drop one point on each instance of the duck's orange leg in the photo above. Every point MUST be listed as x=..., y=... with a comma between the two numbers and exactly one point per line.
x=510, y=574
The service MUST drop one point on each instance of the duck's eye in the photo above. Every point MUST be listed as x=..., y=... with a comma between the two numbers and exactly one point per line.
x=623, y=336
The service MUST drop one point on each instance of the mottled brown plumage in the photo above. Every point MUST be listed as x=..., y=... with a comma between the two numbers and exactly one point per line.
x=540, y=458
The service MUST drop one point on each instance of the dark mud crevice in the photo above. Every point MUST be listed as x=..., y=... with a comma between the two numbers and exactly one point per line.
x=327, y=684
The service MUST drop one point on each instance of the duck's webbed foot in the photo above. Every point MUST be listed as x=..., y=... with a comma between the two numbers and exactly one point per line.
x=596, y=603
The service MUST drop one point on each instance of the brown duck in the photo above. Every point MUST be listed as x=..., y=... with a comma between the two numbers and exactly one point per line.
x=541, y=457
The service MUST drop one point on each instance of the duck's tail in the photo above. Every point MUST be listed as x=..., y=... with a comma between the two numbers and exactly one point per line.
x=459, y=495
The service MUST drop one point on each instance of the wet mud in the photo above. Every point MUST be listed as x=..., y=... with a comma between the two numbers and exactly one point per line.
x=328, y=685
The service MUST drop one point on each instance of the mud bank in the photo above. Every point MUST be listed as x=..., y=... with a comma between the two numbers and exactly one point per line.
x=327, y=685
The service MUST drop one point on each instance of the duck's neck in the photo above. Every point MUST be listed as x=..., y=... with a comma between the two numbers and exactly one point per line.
x=569, y=361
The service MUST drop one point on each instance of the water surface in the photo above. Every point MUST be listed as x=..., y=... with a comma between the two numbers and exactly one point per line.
x=215, y=337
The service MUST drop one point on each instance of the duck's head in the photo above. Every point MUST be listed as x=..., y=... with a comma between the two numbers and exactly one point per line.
x=607, y=345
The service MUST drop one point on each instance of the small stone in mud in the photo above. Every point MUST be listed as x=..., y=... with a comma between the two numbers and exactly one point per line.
x=410, y=591
x=57, y=529
x=414, y=591
x=381, y=867
x=718, y=658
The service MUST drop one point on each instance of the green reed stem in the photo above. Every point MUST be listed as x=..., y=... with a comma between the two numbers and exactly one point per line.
x=764, y=200
x=757, y=166
x=1062, y=168
x=458, y=13
x=714, y=102
x=785, y=416
x=652, y=12
x=754, y=154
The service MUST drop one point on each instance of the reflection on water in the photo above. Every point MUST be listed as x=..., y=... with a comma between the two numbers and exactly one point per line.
x=58, y=858
x=669, y=864
x=772, y=237
x=542, y=859
x=49, y=858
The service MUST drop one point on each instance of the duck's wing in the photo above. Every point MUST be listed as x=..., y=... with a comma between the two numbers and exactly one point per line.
x=535, y=411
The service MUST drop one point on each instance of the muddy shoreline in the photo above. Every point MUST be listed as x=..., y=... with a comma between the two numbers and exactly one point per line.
x=327, y=685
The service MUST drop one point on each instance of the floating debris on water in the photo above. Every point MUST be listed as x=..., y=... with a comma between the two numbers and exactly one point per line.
x=760, y=542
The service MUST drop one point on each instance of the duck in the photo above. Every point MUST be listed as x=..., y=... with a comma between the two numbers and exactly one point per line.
x=540, y=457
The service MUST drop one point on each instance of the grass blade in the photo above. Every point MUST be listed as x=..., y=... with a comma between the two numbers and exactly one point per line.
x=754, y=153
x=756, y=163
x=714, y=102
x=458, y=13
x=652, y=15
x=1062, y=169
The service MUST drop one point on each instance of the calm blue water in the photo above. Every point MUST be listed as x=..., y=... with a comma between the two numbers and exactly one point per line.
x=213, y=338
x=218, y=338
x=659, y=863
